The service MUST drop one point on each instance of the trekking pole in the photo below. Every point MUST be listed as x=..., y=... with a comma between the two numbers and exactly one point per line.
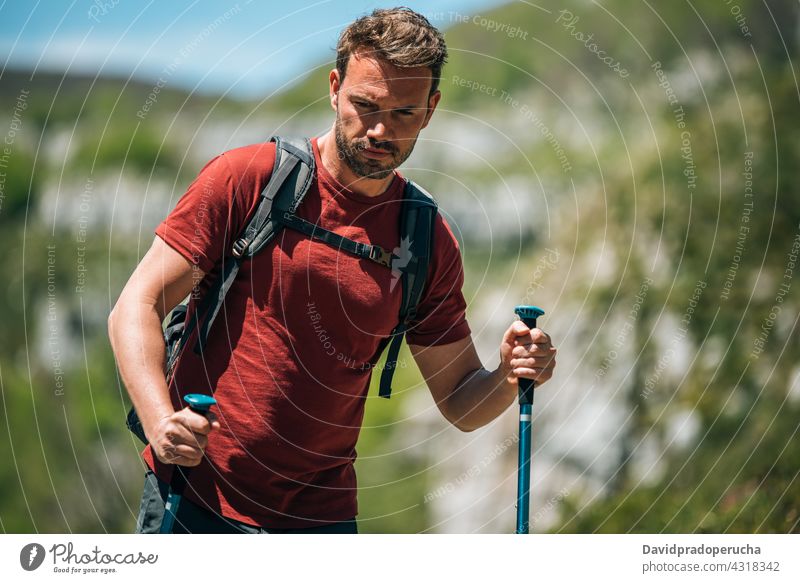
x=528, y=315
x=199, y=404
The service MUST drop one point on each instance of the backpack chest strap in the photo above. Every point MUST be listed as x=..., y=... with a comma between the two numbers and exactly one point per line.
x=374, y=253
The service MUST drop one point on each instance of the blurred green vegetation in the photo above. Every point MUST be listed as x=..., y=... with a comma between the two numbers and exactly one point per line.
x=742, y=479
x=72, y=467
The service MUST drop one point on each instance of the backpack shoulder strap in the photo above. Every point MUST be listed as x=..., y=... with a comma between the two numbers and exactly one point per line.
x=291, y=179
x=292, y=176
x=417, y=221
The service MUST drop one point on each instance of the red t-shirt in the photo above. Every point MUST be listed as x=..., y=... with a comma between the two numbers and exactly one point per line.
x=290, y=354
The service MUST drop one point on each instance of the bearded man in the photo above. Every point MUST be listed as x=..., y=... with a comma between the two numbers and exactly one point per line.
x=290, y=357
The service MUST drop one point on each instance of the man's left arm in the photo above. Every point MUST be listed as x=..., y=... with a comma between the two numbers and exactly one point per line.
x=468, y=395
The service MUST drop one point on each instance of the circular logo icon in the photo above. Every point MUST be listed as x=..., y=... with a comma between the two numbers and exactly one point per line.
x=31, y=556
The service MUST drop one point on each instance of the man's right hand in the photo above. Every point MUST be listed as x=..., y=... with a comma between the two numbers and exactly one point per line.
x=181, y=438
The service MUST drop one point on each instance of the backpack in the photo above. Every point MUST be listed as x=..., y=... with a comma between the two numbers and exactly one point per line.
x=292, y=176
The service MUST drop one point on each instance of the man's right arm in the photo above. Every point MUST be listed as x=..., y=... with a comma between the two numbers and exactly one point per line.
x=161, y=280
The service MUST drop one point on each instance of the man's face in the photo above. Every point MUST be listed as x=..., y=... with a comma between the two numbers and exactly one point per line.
x=380, y=110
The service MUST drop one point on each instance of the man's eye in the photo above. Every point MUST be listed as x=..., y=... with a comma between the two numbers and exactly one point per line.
x=361, y=103
x=405, y=112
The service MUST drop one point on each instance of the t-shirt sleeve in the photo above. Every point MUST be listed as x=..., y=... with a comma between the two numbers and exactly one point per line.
x=441, y=313
x=202, y=224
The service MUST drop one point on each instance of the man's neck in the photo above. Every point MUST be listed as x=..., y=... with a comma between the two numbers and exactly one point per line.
x=342, y=172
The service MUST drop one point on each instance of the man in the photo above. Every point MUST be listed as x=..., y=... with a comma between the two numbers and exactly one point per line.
x=290, y=355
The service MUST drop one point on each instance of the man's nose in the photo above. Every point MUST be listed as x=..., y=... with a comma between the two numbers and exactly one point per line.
x=378, y=130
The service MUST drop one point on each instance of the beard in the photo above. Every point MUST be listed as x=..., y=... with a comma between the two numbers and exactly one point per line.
x=349, y=151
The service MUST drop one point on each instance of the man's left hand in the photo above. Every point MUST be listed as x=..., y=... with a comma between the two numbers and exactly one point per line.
x=527, y=353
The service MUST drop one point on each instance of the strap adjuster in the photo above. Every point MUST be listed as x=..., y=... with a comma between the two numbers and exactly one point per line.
x=380, y=255
x=239, y=247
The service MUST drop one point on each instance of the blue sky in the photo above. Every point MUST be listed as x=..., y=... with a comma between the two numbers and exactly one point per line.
x=246, y=47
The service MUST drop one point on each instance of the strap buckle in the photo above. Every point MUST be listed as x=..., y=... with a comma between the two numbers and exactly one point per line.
x=380, y=255
x=239, y=247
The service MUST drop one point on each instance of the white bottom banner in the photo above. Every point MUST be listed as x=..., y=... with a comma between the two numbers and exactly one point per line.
x=381, y=558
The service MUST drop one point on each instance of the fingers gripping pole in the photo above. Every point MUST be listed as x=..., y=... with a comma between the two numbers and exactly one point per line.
x=528, y=315
x=199, y=404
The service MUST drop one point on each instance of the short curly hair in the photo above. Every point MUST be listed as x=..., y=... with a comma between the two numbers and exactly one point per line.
x=399, y=36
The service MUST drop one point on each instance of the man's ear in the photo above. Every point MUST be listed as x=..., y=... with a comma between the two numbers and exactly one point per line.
x=335, y=84
x=433, y=100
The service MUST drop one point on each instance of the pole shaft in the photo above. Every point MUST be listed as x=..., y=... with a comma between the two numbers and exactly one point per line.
x=524, y=472
x=524, y=462
x=176, y=487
